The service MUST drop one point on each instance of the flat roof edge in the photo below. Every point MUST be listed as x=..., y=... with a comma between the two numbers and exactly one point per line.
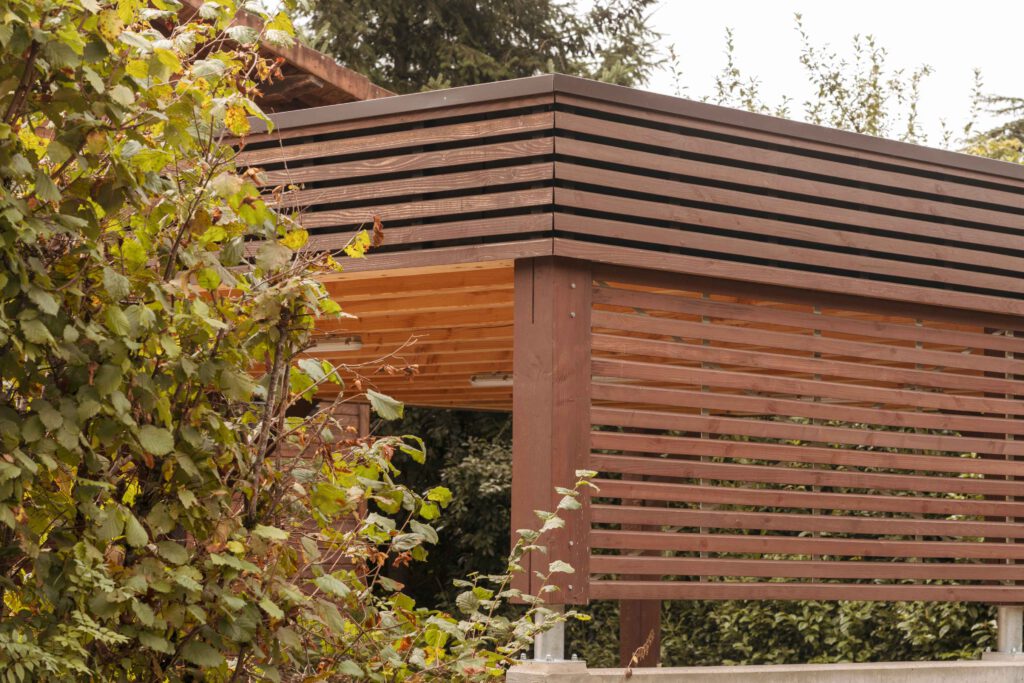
x=679, y=106
x=422, y=101
x=641, y=99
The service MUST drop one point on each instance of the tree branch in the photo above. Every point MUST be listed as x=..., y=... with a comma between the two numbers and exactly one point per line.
x=13, y=109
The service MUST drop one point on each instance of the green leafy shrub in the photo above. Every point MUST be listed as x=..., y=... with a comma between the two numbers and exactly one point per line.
x=706, y=633
x=163, y=516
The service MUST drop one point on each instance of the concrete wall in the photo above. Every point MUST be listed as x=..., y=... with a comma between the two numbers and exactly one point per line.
x=896, y=672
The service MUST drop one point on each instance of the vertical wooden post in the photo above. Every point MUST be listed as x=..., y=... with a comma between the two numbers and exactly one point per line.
x=639, y=620
x=551, y=414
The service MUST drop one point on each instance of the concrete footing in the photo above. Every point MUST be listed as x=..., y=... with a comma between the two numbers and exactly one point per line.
x=894, y=672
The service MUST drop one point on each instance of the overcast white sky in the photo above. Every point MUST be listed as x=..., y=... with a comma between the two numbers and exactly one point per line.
x=951, y=37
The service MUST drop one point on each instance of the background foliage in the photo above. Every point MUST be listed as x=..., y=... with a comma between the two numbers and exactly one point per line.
x=412, y=45
x=708, y=633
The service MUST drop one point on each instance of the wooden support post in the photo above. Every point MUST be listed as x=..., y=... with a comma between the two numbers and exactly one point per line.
x=639, y=632
x=551, y=414
x=639, y=620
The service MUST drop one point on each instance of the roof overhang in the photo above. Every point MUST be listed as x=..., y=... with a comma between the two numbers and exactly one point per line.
x=308, y=78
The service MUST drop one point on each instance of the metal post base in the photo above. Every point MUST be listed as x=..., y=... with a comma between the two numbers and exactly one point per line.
x=1009, y=634
x=549, y=646
x=1010, y=627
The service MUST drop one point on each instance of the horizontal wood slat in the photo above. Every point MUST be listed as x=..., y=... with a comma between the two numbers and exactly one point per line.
x=747, y=437
x=649, y=516
x=804, y=545
x=798, y=432
x=684, y=468
x=417, y=161
x=711, y=139
x=620, y=393
x=808, y=364
x=758, y=336
x=416, y=137
x=876, y=307
x=321, y=123
x=722, y=448
x=363, y=216
x=804, y=500
x=477, y=178
x=718, y=268
x=797, y=569
x=871, y=327
x=803, y=387
x=686, y=590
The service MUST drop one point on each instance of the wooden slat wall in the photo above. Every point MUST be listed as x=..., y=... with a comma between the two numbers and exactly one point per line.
x=439, y=178
x=757, y=447
x=630, y=179
x=565, y=167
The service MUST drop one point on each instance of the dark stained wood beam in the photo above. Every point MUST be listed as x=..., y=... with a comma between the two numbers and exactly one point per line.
x=639, y=633
x=551, y=413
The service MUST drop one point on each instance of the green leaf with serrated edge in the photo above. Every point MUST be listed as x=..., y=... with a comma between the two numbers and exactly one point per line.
x=134, y=532
x=208, y=279
x=349, y=668
x=332, y=585
x=44, y=300
x=117, y=285
x=560, y=567
x=155, y=642
x=441, y=495
x=271, y=608
x=156, y=440
x=144, y=612
x=35, y=331
x=424, y=530
x=201, y=654
x=272, y=533
x=385, y=406
x=172, y=552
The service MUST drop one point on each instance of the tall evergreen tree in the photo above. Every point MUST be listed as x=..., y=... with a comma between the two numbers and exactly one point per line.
x=412, y=45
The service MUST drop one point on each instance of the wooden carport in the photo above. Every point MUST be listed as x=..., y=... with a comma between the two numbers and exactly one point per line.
x=790, y=352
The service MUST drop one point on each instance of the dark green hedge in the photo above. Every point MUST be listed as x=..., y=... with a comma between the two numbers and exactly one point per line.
x=698, y=633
